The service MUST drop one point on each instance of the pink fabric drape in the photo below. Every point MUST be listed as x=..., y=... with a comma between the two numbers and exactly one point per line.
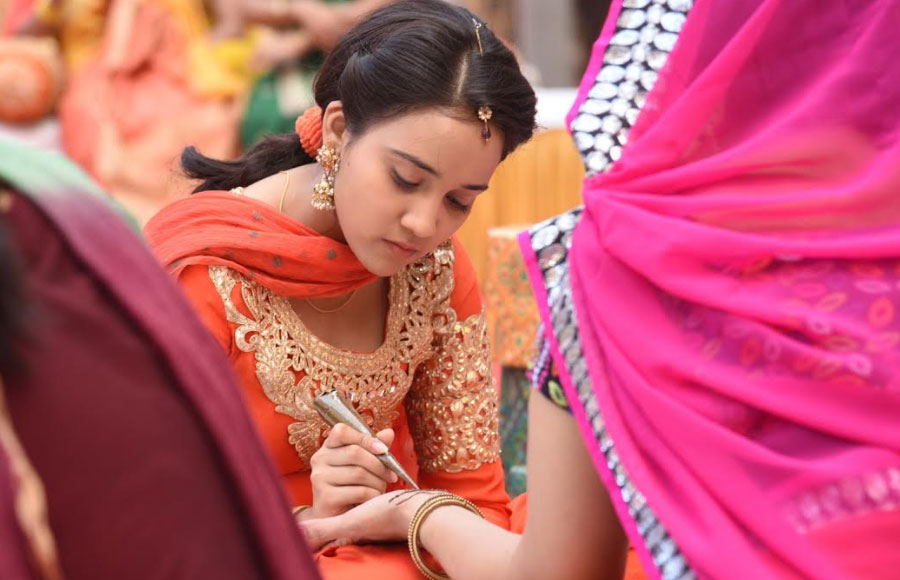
x=736, y=278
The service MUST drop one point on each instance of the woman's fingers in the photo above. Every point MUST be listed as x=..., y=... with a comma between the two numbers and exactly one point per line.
x=268, y=12
x=342, y=435
x=378, y=519
x=319, y=532
x=346, y=447
x=356, y=475
x=354, y=494
x=346, y=470
x=354, y=455
x=386, y=436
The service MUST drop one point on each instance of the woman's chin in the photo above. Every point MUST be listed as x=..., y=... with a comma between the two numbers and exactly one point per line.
x=382, y=268
x=383, y=260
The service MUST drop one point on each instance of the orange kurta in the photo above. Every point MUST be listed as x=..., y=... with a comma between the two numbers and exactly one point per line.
x=430, y=381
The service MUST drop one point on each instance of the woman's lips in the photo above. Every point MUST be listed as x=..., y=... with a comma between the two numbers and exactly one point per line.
x=402, y=249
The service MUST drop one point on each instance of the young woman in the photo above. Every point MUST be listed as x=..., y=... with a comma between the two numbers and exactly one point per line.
x=343, y=274
x=723, y=311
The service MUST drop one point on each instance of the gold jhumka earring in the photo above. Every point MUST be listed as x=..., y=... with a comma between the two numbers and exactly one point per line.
x=323, y=192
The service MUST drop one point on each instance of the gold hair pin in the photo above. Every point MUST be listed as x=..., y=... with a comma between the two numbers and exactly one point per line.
x=484, y=114
x=478, y=36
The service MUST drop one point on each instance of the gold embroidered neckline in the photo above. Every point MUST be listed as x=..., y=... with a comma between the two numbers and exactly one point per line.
x=337, y=356
x=434, y=364
x=293, y=364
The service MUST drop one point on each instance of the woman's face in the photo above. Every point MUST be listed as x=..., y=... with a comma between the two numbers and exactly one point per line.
x=406, y=185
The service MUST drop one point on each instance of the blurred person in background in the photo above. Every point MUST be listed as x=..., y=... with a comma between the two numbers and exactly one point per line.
x=143, y=79
x=124, y=449
x=158, y=83
x=298, y=35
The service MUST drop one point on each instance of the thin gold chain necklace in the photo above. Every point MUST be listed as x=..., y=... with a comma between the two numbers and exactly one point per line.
x=332, y=310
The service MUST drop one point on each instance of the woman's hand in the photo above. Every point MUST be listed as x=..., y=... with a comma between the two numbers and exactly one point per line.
x=346, y=471
x=382, y=519
x=278, y=47
x=325, y=24
x=277, y=13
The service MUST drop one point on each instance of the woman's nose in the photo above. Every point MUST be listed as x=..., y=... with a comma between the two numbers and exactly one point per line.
x=421, y=217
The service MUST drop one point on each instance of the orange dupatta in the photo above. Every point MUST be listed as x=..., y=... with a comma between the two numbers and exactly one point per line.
x=253, y=238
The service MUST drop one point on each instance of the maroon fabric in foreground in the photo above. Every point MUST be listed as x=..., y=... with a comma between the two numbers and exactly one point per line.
x=14, y=562
x=130, y=415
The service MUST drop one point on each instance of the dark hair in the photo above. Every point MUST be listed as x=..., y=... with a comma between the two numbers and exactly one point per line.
x=409, y=56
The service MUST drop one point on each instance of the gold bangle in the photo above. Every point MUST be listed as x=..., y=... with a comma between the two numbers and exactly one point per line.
x=415, y=525
x=296, y=511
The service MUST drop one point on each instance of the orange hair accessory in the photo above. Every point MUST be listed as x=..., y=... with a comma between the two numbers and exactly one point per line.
x=309, y=129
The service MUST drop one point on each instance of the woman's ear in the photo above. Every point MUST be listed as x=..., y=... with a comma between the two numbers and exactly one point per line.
x=334, y=124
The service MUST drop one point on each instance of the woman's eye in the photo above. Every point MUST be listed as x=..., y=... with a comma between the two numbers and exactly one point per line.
x=403, y=183
x=458, y=205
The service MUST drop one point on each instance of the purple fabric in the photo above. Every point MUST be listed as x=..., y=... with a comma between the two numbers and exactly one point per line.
x=130, y=413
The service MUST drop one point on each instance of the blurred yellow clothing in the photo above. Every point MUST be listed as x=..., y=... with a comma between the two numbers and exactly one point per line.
x=155, y=85
x=80, y=25
x=214, y=69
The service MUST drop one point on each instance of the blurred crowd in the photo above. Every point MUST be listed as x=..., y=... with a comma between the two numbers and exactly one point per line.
x=122, y=86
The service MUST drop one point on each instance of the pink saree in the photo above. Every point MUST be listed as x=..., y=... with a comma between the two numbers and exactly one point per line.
x=724, y=308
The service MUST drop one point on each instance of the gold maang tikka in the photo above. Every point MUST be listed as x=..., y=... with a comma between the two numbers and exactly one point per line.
x=484, y=114
x=323, y=192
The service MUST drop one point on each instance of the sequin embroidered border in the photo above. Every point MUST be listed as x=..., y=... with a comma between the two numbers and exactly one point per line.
x=646, y=32
x=551, y=241
x=844, y=498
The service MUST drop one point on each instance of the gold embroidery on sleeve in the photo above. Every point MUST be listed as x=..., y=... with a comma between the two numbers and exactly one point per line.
x=452, y=406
